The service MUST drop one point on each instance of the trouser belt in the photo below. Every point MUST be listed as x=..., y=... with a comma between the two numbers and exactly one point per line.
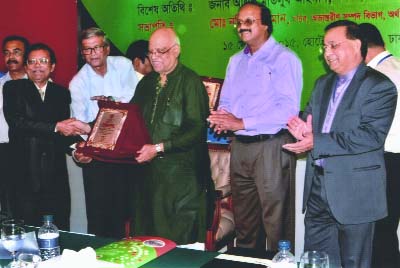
x=258, y=138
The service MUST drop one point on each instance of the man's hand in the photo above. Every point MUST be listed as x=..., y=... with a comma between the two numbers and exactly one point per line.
x=147, y=153
x=65, y=127
x=302, y=131
x=223, y=121
x=298, y=128
x=79, y=157
x=302, y=146
x=84, y=128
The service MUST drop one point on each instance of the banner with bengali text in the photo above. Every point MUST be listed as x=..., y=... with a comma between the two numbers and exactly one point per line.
x=209, y=38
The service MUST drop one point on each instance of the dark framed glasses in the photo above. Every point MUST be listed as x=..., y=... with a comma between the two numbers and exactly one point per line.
x=247, y=22
x=90, y=50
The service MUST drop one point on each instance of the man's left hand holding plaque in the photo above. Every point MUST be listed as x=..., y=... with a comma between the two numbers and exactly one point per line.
x=118, y=133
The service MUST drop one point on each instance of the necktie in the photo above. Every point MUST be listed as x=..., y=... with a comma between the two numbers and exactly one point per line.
x=339, y=88
x=41, y=92
x=337, y=95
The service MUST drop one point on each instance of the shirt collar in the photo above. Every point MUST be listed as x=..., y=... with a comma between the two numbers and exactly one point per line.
x=42, y=88
x=139, y=75
x=265, y=47
x=7, y=76
x=176, y=71
x=93, y=73
x=377, y=59
x=349, y=75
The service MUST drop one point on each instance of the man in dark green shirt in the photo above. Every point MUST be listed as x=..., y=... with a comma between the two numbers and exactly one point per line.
x=170, y=198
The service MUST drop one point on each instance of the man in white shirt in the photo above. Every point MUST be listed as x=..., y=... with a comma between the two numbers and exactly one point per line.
x=386, y=244
x=14, y=48
x=106, y=184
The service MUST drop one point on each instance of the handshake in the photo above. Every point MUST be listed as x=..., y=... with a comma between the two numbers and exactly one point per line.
x=72, y=127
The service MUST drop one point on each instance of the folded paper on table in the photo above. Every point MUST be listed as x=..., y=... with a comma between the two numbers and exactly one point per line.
x=118, y=133
x=136, y=251
x=30, y=246
x=84, y=258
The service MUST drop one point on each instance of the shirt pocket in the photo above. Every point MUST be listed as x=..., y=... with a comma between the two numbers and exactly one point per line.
x=264, y=76
x=173, y=113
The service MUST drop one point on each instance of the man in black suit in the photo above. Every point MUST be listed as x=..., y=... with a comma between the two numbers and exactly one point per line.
x=348, y=117
x=37, y=112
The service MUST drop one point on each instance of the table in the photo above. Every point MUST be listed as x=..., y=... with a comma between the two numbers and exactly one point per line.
x=176, y=258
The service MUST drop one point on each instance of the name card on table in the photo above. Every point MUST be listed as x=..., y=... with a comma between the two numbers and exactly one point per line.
x=135, y=251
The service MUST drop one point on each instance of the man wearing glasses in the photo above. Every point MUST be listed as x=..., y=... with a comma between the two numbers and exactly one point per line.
x=344, y=129
x=102, y=77
x=37, y=112
x=261, y=91
x=174, y=102
x=14, y=48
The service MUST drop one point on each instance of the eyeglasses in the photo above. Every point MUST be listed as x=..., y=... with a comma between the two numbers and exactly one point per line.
x=159, y=52
x=331, y=46
x=16, y=53
x=247, y=22
x=41, y=61
x=89, y=50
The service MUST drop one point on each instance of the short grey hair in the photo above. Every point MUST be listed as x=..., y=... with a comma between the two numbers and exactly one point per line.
x=91, y=32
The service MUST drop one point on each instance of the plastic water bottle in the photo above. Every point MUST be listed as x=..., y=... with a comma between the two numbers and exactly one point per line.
x=48, y=239
x=284, y=258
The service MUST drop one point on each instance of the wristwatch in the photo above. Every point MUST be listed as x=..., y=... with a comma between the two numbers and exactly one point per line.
x=159, y=149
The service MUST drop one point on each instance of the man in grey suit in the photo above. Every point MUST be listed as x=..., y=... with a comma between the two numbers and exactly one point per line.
x=347, y=120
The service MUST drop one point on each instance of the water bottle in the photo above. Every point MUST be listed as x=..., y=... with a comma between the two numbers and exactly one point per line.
x=284, y=258
x=48, y=239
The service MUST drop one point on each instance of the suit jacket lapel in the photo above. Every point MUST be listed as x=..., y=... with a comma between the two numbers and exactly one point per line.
x=348, y=97
x=325, y=98
x=49, y=92
x=33, y=92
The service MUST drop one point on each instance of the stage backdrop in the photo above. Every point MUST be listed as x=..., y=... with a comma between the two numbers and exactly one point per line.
x=53, y=22
x=208, y=36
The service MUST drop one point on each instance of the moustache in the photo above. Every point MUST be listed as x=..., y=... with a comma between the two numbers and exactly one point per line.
x=12, y=61
x=244, y=30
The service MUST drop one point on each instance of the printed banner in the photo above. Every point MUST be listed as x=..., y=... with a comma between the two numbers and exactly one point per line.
x=209, y=38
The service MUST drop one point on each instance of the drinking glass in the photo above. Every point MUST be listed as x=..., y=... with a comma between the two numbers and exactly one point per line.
x=12, y=237
x=314, y=259
x=28, y=260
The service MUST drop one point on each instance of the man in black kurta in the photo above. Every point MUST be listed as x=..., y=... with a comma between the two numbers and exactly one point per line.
x=170, y=200
x=37, y=112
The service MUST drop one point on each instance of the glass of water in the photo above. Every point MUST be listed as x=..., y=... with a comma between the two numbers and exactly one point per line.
x=12, y=237
x=314, y=259
x=28, y=260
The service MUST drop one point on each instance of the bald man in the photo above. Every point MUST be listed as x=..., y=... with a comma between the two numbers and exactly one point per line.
x=171, y=200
